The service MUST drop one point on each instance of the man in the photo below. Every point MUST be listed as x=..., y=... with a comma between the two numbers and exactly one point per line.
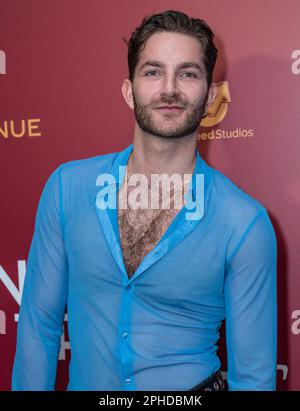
x=147, y=288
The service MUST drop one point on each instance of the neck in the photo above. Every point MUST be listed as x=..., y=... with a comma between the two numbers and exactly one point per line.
x=155, y=155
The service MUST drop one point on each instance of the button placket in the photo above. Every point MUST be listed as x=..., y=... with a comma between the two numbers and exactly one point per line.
x=125, y=351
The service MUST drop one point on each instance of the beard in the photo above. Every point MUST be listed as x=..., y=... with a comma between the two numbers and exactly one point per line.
x=172, y=127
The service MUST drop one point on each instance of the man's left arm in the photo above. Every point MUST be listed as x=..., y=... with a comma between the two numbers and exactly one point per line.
x=251, y=309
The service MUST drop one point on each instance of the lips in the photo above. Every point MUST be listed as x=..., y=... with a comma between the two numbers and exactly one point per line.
x=171, y=107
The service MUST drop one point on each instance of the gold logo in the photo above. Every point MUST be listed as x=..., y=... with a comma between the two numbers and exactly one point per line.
x=218, y=109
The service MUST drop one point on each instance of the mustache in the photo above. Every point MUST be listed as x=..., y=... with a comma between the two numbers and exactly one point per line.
x=170, y=102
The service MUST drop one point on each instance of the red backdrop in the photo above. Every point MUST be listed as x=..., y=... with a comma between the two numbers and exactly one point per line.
x=62, y=63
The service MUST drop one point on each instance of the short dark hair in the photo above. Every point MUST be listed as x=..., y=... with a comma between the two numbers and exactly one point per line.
x=177, y=22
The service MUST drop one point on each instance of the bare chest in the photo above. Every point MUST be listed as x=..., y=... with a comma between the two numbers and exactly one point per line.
x=140, y=230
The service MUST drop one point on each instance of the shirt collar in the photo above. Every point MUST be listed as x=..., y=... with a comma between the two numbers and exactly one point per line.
x=123, y=156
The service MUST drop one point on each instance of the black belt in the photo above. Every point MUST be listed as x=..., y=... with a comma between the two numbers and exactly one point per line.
x=214, y=382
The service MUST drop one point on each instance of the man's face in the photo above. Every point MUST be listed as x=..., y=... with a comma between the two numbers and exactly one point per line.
x=164, y=77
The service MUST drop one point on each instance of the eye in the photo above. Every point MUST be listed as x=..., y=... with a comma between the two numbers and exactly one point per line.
x=190, y=74
x=149, y=72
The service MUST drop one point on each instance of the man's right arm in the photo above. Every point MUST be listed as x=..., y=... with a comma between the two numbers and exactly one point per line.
x=44, y=296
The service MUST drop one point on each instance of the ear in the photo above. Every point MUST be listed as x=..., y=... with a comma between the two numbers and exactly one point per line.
x=212, y=94
x=127, y=93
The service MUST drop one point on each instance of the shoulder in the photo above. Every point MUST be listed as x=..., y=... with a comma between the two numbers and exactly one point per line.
x=237, y=213
x=76, y=175
x=233, y=201
x=86, y=166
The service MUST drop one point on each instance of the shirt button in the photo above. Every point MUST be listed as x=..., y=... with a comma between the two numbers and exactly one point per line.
x=125, y=335
x=128, y=287
x=127, y=381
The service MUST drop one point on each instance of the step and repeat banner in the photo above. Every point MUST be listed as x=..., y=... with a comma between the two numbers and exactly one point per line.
x=62, y=63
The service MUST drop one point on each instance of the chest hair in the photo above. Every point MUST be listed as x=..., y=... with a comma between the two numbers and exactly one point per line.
x=132, y=224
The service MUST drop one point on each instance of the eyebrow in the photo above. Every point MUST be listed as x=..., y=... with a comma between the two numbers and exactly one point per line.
x=187, y=64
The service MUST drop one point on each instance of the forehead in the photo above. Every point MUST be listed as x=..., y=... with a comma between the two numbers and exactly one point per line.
x=171, y=48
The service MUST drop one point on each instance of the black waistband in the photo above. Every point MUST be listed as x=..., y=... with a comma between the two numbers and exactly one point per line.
x=214, y=382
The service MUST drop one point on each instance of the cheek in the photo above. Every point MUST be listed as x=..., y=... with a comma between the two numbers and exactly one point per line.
x=192, y=92
x=196, y=97
x=148, y=90
x=147, y=96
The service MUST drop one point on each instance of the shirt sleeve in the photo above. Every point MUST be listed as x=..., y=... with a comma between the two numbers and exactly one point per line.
x=44, y=296
x=250, y=292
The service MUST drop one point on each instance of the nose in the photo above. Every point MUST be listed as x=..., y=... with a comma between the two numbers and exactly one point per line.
x=169, y=85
